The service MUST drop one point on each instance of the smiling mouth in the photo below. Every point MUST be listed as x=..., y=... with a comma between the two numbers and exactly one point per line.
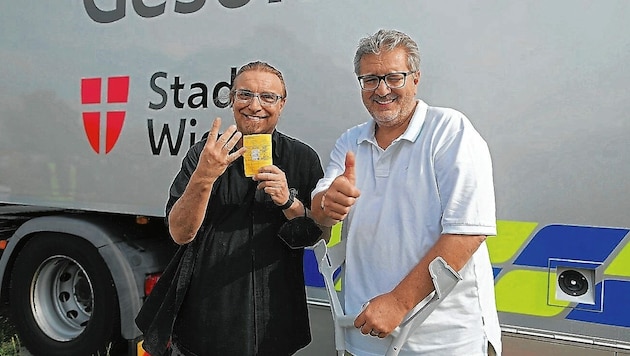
x=251, y=117
x=384, y=101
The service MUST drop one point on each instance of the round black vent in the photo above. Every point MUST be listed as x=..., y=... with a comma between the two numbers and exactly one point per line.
x=573, y=283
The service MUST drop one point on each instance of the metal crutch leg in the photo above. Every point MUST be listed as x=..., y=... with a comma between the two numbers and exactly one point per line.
x=329, y=259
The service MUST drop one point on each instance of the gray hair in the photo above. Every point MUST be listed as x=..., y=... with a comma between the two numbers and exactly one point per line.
x=262, y=67
x=388, y=40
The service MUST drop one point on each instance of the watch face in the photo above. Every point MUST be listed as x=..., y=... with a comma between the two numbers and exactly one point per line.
x=292, y=194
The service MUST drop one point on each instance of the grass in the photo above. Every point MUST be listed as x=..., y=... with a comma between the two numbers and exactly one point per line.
x=9, y=341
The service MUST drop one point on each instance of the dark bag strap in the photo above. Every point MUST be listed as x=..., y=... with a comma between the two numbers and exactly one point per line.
x=158, y=313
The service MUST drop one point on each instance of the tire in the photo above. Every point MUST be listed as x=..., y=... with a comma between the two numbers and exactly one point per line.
x=62, y=298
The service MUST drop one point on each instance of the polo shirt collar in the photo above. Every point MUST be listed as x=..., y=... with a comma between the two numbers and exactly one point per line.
x=417, y=120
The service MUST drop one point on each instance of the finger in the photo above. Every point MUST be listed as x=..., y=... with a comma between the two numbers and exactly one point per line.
x=266, y=184
x=273, y=185
x=365, y=330
x=233, y=140
x=337, y=211
x=270, y=172
x=349, y=172
x=236, y=154
x=214, y=131
x=359, y=321
x=262, y=176
x=342, y=201
x=270, y=169
x=226, y=135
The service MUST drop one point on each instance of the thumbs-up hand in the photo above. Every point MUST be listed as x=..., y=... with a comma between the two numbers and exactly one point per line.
x=342, y=193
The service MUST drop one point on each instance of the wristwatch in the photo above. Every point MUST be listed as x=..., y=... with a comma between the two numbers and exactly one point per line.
x=292, y=194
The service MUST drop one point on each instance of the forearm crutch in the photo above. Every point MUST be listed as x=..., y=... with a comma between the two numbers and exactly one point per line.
x=329, y=259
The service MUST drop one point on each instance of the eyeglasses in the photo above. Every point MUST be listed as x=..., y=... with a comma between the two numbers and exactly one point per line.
x=392, y=80
x=265, y=99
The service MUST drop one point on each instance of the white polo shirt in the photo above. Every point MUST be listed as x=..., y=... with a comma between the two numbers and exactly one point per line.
x=435, y=178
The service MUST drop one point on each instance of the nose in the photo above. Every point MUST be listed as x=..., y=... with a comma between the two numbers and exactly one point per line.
x=254, y=104
x=382, y=89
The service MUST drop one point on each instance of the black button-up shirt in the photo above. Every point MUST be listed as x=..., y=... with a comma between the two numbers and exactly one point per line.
x=247, y=295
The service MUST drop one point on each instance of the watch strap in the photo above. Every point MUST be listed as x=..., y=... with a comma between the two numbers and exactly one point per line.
x=289, y=202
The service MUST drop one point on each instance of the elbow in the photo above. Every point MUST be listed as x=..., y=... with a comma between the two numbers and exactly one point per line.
x=476, y=241
x=180, y=238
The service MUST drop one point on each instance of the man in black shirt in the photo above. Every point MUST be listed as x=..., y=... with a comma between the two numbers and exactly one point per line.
x=244, y=294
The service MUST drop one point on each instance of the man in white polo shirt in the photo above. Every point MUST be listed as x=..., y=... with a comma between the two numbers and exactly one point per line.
x=410, y=184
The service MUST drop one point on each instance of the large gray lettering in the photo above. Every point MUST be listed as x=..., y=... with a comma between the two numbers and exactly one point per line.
x=233, y=4
x=223, y=85
x=156, y=147
x=105, y=16
x=156, y=88
x=182, y=7
x=148, y=11
x=188, y=7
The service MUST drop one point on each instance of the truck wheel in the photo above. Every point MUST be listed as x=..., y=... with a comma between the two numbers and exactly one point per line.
x=62, y=298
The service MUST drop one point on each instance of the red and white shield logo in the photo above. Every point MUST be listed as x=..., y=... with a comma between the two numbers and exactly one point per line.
x=117, y=93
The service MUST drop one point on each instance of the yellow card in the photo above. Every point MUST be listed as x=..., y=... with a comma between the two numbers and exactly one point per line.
x=258, y=154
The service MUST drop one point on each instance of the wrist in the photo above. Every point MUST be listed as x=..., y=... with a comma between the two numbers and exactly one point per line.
x=321, y=202
x=290, y=201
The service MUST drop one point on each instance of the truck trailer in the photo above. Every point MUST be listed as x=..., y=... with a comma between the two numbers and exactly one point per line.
x=100, y=100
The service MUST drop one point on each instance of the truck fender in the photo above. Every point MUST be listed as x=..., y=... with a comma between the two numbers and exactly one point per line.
x=112, y=246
